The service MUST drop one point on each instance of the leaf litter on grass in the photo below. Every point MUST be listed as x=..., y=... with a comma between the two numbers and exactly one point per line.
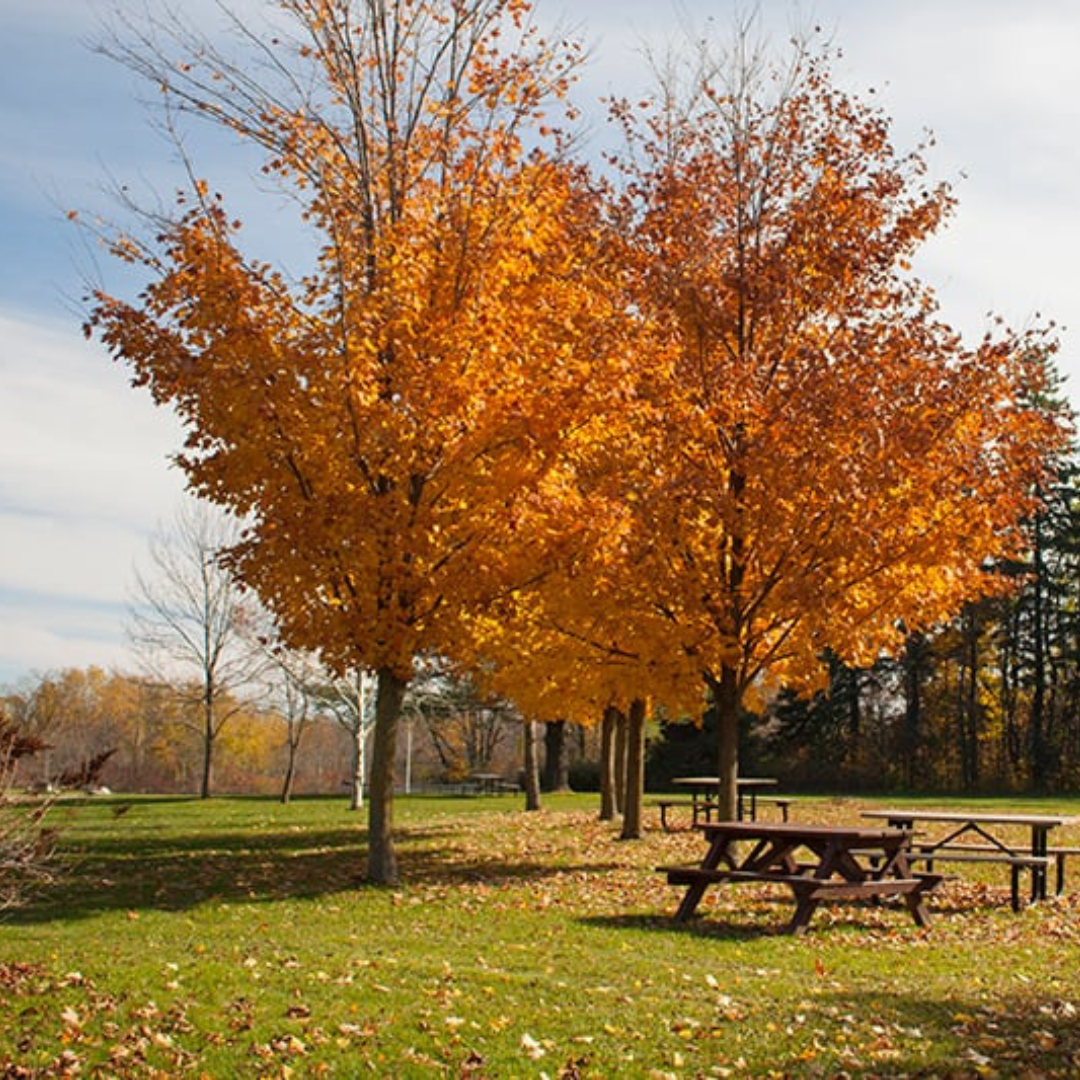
x=548, y=926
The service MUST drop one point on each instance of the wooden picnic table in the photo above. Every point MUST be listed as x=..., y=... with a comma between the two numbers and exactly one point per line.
x=705, y=793
x=487, y=783
x=817, y=862
x=983, y=841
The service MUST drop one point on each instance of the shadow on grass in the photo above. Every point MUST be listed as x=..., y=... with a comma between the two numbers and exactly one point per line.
x=697, y=927
x=763, y=916
x=963, y=1037
x=119, y=873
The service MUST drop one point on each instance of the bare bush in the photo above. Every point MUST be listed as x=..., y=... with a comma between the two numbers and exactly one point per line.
x=26, y=844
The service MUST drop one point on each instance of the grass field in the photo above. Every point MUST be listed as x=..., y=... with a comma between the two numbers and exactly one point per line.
x=232, y=939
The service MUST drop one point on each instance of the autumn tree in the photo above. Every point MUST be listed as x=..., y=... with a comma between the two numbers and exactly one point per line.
x=573, y=646
x=191, y=626
x=374, y=422
x=82, y=719
x=833, y=465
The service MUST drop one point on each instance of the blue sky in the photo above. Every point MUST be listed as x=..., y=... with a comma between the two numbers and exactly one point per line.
x=84, y=473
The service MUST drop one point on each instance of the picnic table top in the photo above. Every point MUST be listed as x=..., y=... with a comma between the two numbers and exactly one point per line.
x=790, y=830
x=994, y=817
x=714, y=781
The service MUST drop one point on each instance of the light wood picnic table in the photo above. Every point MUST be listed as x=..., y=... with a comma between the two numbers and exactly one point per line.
x=984, y=840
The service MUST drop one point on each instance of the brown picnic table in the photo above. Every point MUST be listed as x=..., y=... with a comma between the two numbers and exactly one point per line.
x=977, y=836
x=705, y=797
x=487, y=783
x=817, y=862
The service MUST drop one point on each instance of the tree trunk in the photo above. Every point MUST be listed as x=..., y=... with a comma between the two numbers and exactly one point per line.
x=609, y=802
x=356, y=780
x=620, y=760
x=556, y=774
x=382, y=860
x=635, y=771
x=290, y=770
x=208, y=741
x=532, y=768
x=726, y=699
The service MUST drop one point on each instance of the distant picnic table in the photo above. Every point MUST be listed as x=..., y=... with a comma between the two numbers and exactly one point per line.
x=488, y=783
x=705, y=798
x=491, y=783
x=816, y=862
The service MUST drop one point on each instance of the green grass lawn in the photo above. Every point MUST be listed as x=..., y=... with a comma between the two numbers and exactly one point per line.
x=232, y=938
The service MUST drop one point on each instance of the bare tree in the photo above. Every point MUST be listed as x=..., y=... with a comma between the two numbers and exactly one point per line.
x=191, y=624
x=350, y=699
x=465, y=725
x=292, y=683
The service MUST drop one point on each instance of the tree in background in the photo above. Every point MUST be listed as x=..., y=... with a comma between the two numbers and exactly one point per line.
x=140, y=737
x=193, y=629
x=298, y=689
x=289, y=688
x=83, y=719
x=466, y=726
x=349, y=698
x=375, y=422
x=831, y=462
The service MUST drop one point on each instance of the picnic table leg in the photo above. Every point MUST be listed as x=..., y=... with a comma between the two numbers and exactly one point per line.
x=805, y=906
x=717, y=853
x=917, y=906
x=1038, y=873
x=690, y=901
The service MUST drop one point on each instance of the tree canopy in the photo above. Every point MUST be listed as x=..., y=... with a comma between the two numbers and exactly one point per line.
x=697, y=420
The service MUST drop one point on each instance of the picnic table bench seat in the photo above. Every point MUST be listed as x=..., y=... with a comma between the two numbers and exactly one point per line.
x=818, y=888
x=988, y=853
x=666, y=804
x=1058, y=854
x=971, y=853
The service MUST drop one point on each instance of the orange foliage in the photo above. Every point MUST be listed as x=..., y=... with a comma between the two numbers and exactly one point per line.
x=376, y=427
x=708, y=435
x=826, y=460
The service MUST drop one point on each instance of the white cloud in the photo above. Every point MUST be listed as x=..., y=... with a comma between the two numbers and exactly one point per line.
x=35, y=639
x=84, y=479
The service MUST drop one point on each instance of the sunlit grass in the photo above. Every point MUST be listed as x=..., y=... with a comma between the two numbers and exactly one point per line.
x=234, y=939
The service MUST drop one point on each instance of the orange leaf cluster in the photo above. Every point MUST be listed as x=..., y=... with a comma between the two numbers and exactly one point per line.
x=596, y=444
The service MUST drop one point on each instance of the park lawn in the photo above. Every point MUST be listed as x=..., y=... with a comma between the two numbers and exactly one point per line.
x=232, y=938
